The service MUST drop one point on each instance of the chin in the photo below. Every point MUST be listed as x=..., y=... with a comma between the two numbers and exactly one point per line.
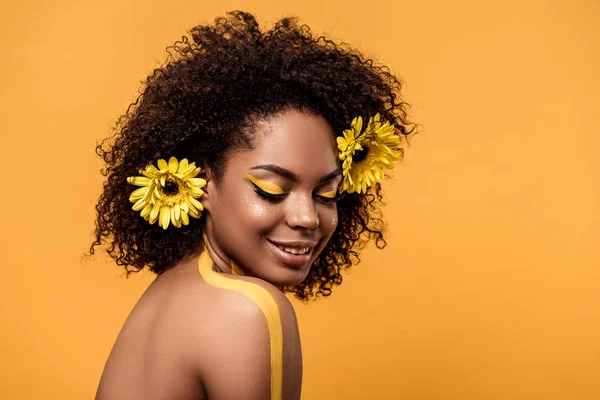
x=289, y=277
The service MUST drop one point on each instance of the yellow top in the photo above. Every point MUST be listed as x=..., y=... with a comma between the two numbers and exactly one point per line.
x=265, y=302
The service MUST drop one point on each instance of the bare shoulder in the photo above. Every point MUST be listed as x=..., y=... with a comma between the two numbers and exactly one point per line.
x=281, y=299
x=237, y=364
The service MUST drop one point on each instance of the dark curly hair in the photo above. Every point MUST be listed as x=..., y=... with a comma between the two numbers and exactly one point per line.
x=201, y=105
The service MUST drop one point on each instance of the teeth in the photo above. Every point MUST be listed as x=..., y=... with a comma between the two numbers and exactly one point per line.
x=295, y=250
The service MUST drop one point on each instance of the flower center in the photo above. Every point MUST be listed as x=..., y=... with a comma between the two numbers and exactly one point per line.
x=171, y=187
x=360, y=155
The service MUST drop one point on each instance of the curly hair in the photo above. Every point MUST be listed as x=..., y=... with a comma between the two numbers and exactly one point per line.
x=201, y=105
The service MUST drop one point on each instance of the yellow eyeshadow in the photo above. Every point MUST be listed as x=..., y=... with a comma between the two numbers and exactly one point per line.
x=267, y=186
x=330, y=195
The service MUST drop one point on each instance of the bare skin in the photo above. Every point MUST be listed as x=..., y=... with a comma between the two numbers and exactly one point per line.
x=186, y=339
x=177, y=339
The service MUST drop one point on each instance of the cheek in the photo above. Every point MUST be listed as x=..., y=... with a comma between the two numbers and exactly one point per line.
x=253, y=207
x=329, y=220
x=256, y=215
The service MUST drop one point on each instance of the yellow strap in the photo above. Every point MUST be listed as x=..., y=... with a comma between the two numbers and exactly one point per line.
x=266, y=303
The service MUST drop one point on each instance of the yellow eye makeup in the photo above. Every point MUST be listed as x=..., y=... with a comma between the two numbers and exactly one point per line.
x=266, y=186
x=329, y=195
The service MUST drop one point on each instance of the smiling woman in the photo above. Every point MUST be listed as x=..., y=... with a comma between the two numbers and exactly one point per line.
x=259, y=138
x=273, y=210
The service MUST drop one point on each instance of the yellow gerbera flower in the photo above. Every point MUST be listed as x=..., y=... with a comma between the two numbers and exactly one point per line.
x=365, y=154
x=167, y=194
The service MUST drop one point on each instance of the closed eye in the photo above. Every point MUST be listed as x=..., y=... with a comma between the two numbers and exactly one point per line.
x=330, y=197
x=274, y=198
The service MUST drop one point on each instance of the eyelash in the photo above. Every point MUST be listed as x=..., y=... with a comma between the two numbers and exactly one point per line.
x=275, y=198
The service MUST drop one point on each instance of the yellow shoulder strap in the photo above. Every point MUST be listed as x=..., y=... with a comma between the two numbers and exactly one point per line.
x=267, y=304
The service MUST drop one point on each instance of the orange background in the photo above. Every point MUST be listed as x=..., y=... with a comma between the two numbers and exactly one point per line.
x=490, y=285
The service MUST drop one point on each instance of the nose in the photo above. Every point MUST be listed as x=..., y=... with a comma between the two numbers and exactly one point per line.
x=302, y=213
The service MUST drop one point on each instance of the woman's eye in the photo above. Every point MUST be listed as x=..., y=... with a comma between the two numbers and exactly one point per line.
x=329, y=199
x=268, y=196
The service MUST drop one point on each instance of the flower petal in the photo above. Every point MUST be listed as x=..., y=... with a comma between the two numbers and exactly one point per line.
x=150, y=171
x=154, y=212
x=139, y=180
x=183, y=164
x=184, y=207
x=138, y=193
x=184, y=218
x=194, y=213
x=146, y=211
x=141, y=203
x=196, y=192
x=173, y=165
x=342, y=143
x=175, y=212
x=199, y=182
x=162, y=164
x=357, y=123
x=191, y=172
x=197, y=205
x=165, y=216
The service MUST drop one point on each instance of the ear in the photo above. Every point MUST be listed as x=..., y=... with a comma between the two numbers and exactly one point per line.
x=209, y=188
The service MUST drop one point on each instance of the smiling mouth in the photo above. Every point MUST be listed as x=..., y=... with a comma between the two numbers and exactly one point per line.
x=294, y=247
x=293, y=253
x=294, y=250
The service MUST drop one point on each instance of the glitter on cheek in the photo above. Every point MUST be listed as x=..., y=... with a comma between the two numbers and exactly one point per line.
x=257, y=209
x=255, y=206
x=334, y=220
x=331, y=220
x=328, y=223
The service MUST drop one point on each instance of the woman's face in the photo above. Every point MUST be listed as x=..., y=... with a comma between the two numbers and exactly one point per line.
x=273, y=211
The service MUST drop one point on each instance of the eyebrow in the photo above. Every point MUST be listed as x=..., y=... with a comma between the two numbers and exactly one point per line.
x=292, y=176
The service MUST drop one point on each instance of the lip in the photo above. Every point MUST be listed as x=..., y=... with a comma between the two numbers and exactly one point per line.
x=293, y=260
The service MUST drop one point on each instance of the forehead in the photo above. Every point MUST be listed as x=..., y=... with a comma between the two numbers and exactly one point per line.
x=301, y=142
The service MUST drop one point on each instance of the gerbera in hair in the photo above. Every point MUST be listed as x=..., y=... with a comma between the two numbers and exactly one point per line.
x=365, y=154
x=168, y=193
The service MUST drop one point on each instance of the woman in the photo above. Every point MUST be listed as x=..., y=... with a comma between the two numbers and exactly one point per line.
x=246, y=170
